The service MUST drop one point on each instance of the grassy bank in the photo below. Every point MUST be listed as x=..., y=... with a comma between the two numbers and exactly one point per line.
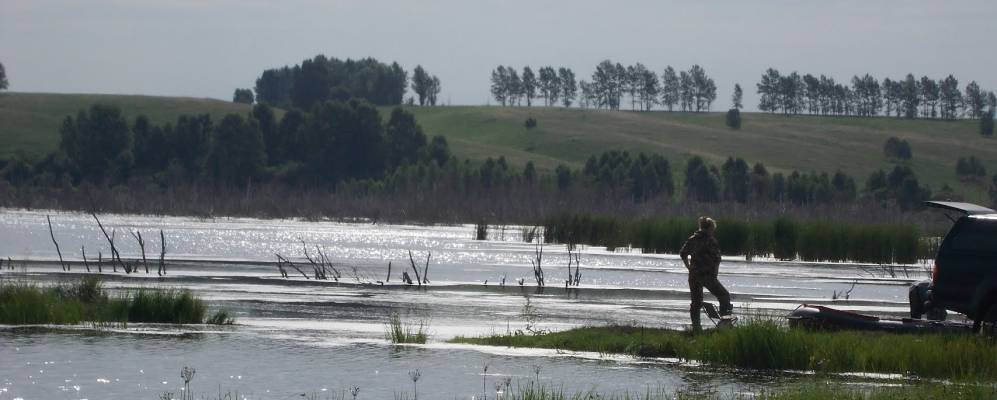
x=87, y=301
x=782, y=238
x=813, y=391
x=766, y=345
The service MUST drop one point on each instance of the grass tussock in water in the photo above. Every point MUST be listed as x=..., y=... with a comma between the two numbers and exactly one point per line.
x=398, y=331
x=87, y=301
x=782, y=238
x=770, y=346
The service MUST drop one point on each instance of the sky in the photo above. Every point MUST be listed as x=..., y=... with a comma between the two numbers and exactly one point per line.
x=209, y=48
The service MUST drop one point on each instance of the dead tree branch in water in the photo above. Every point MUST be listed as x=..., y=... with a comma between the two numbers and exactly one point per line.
x=425, y=270
x=319, y=269
x=115, y=256
x=280, y=267
x=578, y=267
x=85, y=262
x=411, y=259
x=388, y=279
x=325, y=261
x=141, y=244
x=100, y=262
x=288, y=262
x=536, y=261
x=62, y=263
x=162, y=255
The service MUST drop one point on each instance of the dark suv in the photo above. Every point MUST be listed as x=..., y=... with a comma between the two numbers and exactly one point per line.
x=964, y=277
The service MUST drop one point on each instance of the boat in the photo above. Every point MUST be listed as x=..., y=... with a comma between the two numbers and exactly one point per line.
x=816, y=317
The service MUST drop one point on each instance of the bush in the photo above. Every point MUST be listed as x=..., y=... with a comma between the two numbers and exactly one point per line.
x=530, y=123
x=970, y=169
x=897, y=149
x=733, y=119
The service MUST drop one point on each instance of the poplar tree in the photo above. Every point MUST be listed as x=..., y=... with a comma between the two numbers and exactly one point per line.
x=737, y=97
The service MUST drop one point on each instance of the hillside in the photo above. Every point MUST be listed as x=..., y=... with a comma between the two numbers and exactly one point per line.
x=29, y=123
x=782, y=143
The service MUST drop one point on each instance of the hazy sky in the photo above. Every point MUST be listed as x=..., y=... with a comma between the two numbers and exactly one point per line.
x=209, y=48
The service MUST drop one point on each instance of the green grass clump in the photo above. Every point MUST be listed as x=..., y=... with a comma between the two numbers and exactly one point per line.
x=86, y=301
x=169, y=306
x=397, y=331
x=221, y=317
x=770, y=346
x=782, y=238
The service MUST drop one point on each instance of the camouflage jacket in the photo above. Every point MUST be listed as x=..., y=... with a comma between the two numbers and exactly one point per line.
x=704, y=253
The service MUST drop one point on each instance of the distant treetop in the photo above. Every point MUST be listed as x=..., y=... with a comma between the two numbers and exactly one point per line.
x=320, y=79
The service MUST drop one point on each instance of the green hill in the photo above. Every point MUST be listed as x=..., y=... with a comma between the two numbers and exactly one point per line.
x=782, y=143
x=29, y=123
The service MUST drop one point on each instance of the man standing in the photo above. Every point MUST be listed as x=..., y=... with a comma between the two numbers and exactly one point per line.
x=701, y=255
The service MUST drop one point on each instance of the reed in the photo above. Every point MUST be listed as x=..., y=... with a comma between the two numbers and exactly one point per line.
x=399, y=332
x=782, y=238
x=767, y=345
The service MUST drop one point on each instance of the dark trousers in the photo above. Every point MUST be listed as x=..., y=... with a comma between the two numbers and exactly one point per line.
x=711, y=283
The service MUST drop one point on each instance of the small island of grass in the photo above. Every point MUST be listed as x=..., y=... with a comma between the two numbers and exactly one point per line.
x=86, y=301
x=770, y=346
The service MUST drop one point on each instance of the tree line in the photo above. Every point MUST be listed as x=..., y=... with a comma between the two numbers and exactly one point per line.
x=336, y=142
x=609, y=87
x=866, y=96
x=322, y=79
x=552, y=85
x=613, y=84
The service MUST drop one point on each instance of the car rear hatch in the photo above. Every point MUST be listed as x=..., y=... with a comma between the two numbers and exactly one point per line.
x=965, y=208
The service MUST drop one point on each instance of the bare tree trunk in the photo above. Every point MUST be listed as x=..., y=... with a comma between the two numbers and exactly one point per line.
x=85, y=262
x=141, y=244
x=425, y=271
x=288, y=262
x=57, y=250
x=115, y=256
x=414, y=268
x=162, y=255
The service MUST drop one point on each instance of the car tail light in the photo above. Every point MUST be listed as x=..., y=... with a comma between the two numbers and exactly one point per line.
x=934, y=273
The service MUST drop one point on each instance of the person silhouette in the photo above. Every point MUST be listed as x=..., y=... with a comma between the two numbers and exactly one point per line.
x=701, y=256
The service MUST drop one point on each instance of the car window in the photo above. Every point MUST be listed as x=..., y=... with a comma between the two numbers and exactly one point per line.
x=980, y=238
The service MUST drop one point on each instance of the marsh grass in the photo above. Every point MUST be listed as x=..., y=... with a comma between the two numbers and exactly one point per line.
x=767, y=345
x=220, y=317
x=782, y=238
x=87, y=301
x=399, y=332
